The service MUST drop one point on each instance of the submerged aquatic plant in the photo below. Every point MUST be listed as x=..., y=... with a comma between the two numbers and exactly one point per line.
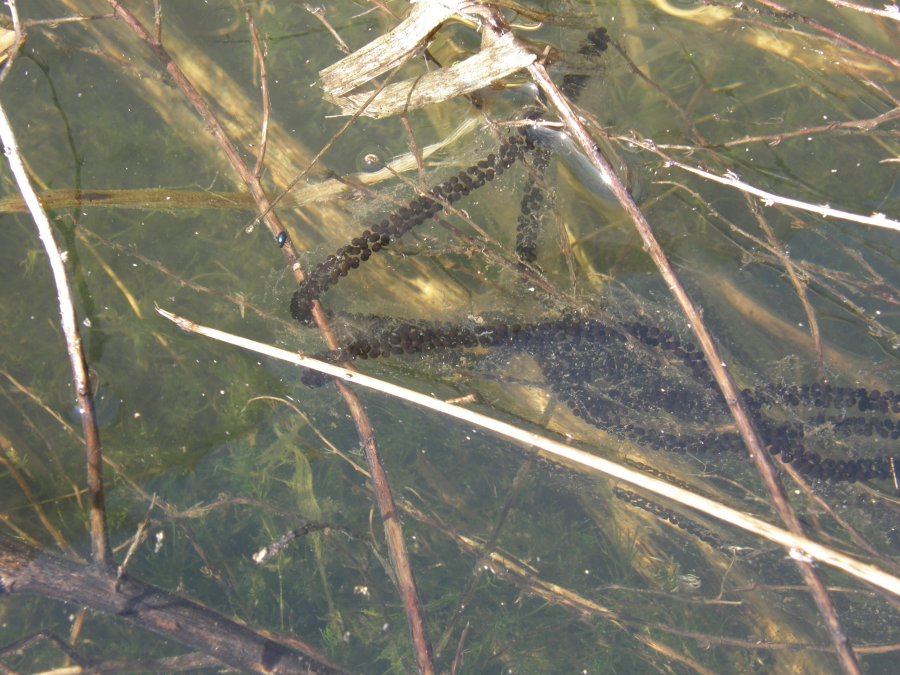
x=519, y=565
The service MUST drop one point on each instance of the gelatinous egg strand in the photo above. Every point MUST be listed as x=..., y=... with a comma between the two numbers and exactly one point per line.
x=391, y=228
x=572, y=351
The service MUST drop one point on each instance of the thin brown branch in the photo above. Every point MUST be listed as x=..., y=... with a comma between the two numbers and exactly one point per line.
x=319, y=14
x=35, y=503
x=855, y=536
x=100, y=550
x=799, y=286
x=518, y=575
x=414, y=150
x=865, y=125
x=209, y=119
x=465, y=598
x=260, y=55
x=717, y=365
x=383, y=496
x=671, y=102
x=315, y=160
x=786, y=13
x=457, y=658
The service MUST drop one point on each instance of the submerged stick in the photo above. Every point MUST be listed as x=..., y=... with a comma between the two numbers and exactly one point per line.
x=739, y=411
x=799, y=546
x=383, y=496
x=100, y=550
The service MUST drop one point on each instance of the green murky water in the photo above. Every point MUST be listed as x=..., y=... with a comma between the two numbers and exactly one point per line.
x=574, y=578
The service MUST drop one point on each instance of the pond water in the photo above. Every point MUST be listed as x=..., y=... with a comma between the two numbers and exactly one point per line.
x=523, y=566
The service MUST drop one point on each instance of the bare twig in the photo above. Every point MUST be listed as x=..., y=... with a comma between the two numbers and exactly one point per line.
x=319, y=14
x=515, y=573
x=457, y=658
x=865, y=125
x=100, y=551
x=393, y=532
x=139, y=537
x=784, y=12
x=35, y=503
x=465, y=598
x=799, y=286
x=855, y=536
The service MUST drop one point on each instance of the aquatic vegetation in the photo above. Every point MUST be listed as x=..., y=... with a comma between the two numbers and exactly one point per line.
x=486, y=264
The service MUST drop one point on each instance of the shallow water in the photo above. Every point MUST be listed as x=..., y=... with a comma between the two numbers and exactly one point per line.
x=722, y=89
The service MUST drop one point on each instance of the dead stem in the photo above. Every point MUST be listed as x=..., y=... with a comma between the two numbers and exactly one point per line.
x=260, y=55
x=480, y=567
x=36, y=504
x=830, y=33
x=855, y=536
x=319, y=14
x=865, y=125
x=731, y=179
x=327, y=443
x=682, y=113
x=515, y=573
x=818, y=274
x=313, y=162
x=797, y=544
